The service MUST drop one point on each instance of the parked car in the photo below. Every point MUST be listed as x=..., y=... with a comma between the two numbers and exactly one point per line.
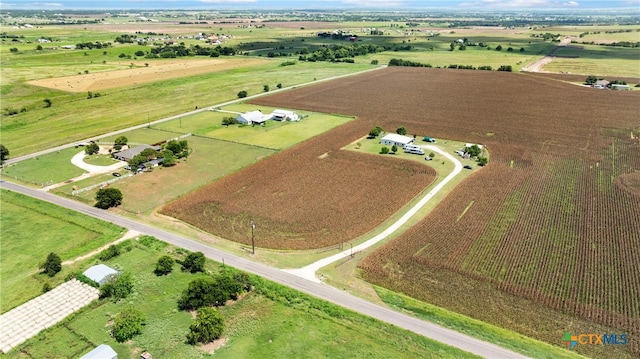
x=467, y=167
x=428, y=158
x=459, y=153
x=428, y=139
x=116, y=174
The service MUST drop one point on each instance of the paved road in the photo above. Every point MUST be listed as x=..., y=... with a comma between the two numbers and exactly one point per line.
x=151, y=123
x=318, y=290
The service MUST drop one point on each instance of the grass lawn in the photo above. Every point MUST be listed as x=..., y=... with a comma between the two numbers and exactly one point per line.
x=256, y=326
x=51, y=168
x=100, y=160
x=32, y=229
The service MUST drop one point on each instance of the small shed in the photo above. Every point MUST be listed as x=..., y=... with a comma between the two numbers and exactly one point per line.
x=619, y=87
x=146, y=355
x=102, y=351
x=284, y=115
x=252, y=117
x=100, y=273
x=396, y=139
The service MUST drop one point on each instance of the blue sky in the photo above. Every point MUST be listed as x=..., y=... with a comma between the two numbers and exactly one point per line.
x=321, y=4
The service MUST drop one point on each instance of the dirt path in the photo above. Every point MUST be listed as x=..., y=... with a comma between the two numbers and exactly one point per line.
x=537, y=65
x=128, y=235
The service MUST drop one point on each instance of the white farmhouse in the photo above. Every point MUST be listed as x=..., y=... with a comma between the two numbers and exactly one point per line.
x=284, y=115
x=252, y=117
x=395, y=139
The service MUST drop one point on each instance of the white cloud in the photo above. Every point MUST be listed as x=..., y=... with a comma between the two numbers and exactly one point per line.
x=514, y=4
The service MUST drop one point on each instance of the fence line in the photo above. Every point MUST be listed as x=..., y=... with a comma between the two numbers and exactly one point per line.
x=101, y=184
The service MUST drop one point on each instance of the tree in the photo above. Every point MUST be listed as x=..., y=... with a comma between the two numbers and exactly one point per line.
x=139, y=53
x=117, y=287
x=394, y=148
x=169, y=159
x=279, y=85
x=401, y=131
x=265, y=88
x=127, y=324
x=384, y=150
x=52, y=265
x=226, y=121
x=482, y=161
x=4, y=153
x=242, y=94
x=92, y=148
x=13, y=49
x=207, y=327
x=121, y=140
x=375, y=131
x=164, y=265
x=39, y=48
x=179, y=148
x=473, y=151
x=111, y=252
x=108, y=197
x=590, y=80
x=193, y=262
x=199, y=293
x=47, y=102
x=499, y=48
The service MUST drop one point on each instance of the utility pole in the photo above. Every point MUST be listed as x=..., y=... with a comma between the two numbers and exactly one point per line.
x=253, y=245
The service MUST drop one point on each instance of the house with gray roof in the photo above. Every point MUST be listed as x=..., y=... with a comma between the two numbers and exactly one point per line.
x=130, y=153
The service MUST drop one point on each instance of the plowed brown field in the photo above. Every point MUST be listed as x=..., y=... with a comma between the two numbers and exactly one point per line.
x=551, y=240
x=550, y=229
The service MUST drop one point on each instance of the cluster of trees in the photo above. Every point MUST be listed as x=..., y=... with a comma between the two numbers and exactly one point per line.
x=91, y=148
x=213, y=290
x=475, y=152
x=401, y=62
x=173, y=51
x=126, y=39
x=118, y=287
x=91, y=95
x=336, y=52
x=93, y=45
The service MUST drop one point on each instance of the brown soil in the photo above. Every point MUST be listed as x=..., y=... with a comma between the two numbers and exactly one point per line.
x=141, y=74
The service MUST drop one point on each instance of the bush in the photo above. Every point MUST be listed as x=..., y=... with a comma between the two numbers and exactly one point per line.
x=384, y=150
x=208, y=291
x=127, y=324
x=193, y=262
x=207, y=327
x=482, y=161
x=375, y=131
x=164, y=265
x=111, y=252
x=242, y=94
x=52, y=265
x=92, y=149
x=117, y=287
x=401, y=131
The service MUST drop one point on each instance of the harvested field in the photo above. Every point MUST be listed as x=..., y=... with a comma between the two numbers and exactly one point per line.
x=549, y=231
x=301, y=199
x=141, y=74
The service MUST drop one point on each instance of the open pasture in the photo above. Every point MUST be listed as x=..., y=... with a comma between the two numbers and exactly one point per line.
x=540, y=224
x=32, y=229
x=273, y=134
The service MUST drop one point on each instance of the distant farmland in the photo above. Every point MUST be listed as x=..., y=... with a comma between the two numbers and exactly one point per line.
x=552, y=221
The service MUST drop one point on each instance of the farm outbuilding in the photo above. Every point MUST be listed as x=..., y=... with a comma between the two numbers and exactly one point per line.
x=253, y=117
x=130, y=153
x=102, y=351
x=100, y=273
x=395, y=139
x=284, y=115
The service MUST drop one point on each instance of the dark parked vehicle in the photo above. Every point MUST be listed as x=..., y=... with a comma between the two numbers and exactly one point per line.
x=116, y=174
x=467, y=167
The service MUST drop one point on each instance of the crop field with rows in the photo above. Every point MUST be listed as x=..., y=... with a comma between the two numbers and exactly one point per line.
x=546, y=238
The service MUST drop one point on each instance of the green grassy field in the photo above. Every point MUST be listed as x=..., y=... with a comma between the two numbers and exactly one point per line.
x=273, y=134
x=32, y=229
x=261, y=324
x=46, y=169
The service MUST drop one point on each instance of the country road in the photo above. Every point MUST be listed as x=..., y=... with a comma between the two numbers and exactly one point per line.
x=318, y=290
